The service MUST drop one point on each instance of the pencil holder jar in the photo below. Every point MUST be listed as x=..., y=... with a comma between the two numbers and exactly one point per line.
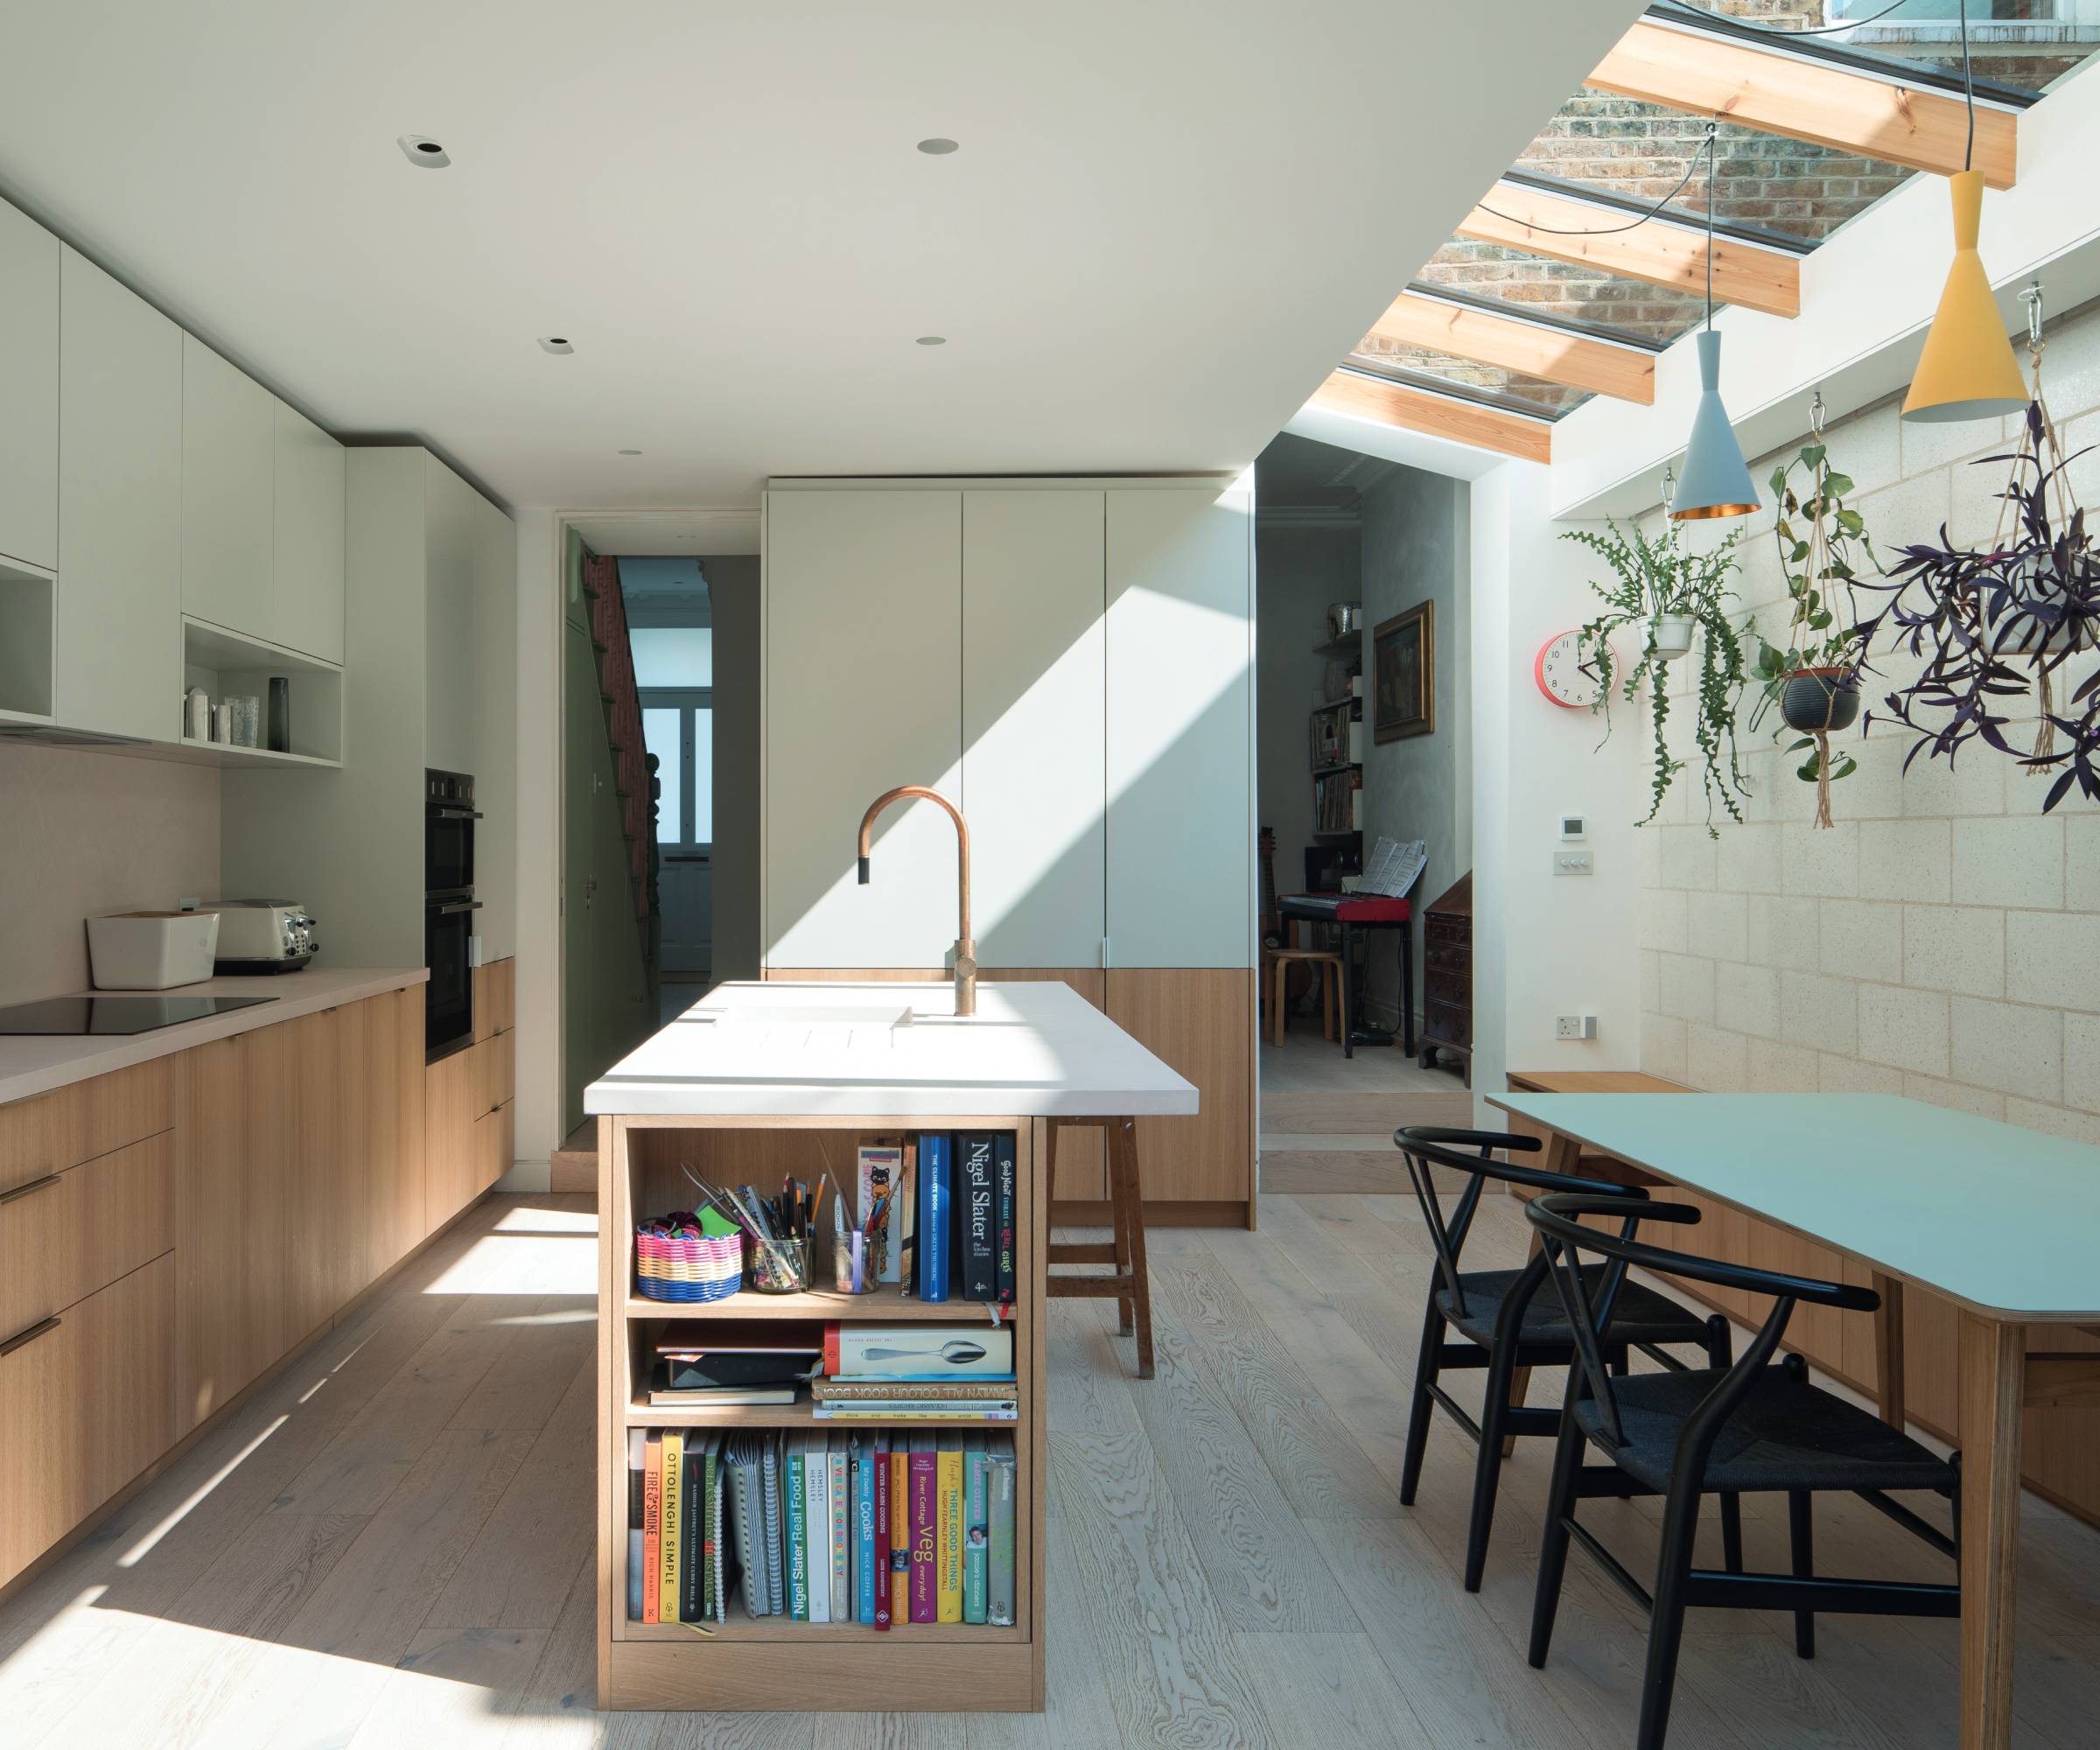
x=777, y=1266
x=674, y=1261
x=853, y=1263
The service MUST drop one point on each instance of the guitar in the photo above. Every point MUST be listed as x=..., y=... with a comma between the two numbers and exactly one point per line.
x=1297, y=981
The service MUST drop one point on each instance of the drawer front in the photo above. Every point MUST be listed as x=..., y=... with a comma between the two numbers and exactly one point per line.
x=85, y=1406
x=62, y=1129
x=64, y=1236
x=1447, y=1023
x=493, y=1147
x=1452, y=932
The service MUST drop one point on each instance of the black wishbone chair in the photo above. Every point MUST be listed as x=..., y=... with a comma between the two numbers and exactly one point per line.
x=1503, y=1323
x=1751, y=1427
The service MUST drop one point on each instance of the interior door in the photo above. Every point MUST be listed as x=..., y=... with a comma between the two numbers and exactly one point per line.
x=677, y=726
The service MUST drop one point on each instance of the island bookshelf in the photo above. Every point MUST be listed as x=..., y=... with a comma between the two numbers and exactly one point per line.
x=771, y=1664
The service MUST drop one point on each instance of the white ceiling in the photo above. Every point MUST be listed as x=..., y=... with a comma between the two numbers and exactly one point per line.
x=1166, y=221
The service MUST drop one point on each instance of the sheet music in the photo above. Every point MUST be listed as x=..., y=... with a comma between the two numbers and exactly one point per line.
x=1394, y=868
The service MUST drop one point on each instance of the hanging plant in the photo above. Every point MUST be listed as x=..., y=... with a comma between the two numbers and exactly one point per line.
x=1997, y=624
x=1814, y=682
x=1664, y=594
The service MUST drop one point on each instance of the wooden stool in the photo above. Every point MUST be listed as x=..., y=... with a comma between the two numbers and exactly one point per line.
x=1280, y=960
x=1131, y=1285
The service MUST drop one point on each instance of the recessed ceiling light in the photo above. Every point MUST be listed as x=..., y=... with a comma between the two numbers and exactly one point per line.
x=630, y=453
x=938, y=148
x=554, y=343
x=933, y=340
x=421, y=150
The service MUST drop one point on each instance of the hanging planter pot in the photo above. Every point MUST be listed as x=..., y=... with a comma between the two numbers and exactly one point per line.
x=1825, y=699
x=1671, y=635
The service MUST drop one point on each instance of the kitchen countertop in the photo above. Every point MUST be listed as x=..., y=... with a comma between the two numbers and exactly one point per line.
x=881, y=1051
x=38, y=1062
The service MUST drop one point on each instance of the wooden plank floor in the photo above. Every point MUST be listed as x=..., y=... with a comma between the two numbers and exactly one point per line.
x=390, y=1546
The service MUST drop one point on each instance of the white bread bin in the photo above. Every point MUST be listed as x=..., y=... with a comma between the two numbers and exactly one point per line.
x=151, y=950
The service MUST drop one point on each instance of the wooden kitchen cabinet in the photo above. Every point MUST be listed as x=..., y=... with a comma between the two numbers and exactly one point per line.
x=307, y=540
x=397, y=1215
x=232, y=1217
x=58, y=1242
x=170, y=1231
x=330, y=1170
x=29, y=391
x=85, y=1406
x=229, y=462
x=118, y=665
x=1199, y=1020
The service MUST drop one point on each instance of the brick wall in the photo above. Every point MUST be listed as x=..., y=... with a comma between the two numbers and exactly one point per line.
x=1942, y=941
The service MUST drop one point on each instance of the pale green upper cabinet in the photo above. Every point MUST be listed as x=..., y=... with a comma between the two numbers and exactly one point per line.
x=119, y=664
x=229, y=452
x=28, y=391
x=308, y=499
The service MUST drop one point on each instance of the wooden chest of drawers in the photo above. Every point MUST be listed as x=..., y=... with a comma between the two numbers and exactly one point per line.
x=1447, y=976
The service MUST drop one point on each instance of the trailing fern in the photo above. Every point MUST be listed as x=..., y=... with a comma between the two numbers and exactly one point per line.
x=1653, y=579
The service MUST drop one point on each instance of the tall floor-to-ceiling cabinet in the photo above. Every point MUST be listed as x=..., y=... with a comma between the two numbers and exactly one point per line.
x=1072, y=662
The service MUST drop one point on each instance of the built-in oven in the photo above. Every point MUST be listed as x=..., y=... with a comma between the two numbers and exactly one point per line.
x=449, y=906
x=448, y=1000
x=448, y=833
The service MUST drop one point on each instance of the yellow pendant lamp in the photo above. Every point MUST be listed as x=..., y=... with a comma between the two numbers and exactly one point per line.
x=1968, y=370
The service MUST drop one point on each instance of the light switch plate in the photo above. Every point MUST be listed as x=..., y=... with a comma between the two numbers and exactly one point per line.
x=1574, y=862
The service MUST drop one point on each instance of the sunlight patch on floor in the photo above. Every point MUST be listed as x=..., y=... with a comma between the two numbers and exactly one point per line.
x=141, y=1549
x=533, y=1220
x=522, y=1263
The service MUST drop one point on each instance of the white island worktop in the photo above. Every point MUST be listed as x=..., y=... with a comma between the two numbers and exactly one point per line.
x=878, y=1051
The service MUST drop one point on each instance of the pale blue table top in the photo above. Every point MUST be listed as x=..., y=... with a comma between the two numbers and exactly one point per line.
x=2004, y=1220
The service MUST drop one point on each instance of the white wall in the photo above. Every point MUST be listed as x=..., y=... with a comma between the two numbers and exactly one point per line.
x=1544, y=945
x=1416, y=542
x=1300, y=571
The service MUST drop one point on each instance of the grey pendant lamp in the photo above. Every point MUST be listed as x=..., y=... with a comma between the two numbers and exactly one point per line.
x=1716, y=481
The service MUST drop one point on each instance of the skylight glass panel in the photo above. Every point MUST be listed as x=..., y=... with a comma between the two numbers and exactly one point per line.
x=2018, y=48
x=1425, y=367
x=1550, y=291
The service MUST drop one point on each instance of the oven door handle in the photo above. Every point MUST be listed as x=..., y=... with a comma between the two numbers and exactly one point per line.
x=457, y=906
x=443, y=811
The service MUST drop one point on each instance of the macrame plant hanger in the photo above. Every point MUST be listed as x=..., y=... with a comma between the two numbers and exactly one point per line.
x=1818, y=564
x=2036, y=438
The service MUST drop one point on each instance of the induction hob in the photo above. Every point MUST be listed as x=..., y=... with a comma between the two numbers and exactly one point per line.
x=115, y=1014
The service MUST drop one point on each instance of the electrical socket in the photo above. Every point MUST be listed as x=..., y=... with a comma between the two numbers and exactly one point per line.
x=1575, y=1027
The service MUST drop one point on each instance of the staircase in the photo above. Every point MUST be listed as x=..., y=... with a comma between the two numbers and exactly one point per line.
x=621, y=704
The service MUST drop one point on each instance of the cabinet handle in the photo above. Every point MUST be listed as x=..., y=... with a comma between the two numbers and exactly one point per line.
x=30, y=1336
x=49, y=1179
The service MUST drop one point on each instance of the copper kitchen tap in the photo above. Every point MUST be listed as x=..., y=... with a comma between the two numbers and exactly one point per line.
x=966, y=950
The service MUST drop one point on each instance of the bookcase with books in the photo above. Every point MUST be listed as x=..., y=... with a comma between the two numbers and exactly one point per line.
x=821, y=1499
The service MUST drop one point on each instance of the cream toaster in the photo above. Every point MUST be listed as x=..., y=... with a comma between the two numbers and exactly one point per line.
x=262, y=935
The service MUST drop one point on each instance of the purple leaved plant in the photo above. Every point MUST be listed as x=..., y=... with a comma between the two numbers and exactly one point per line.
x=1996, y=625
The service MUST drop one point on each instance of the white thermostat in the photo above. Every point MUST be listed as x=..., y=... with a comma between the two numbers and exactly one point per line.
x=1573, y=828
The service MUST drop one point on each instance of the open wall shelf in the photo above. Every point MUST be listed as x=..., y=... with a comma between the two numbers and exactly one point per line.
x=233, y=665
x=28, y=618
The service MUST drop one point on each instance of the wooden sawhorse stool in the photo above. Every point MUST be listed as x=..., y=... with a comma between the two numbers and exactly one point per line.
x=1129, y=1286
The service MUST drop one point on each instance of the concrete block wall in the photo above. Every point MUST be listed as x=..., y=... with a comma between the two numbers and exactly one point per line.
x=1942, y=941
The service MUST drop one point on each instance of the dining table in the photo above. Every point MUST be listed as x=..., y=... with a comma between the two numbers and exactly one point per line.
x=2001, y=1221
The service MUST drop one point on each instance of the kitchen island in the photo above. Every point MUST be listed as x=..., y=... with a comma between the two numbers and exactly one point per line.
x=758, y=1083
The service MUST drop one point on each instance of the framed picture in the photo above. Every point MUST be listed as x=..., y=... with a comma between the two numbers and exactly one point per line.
x=1404, y=667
